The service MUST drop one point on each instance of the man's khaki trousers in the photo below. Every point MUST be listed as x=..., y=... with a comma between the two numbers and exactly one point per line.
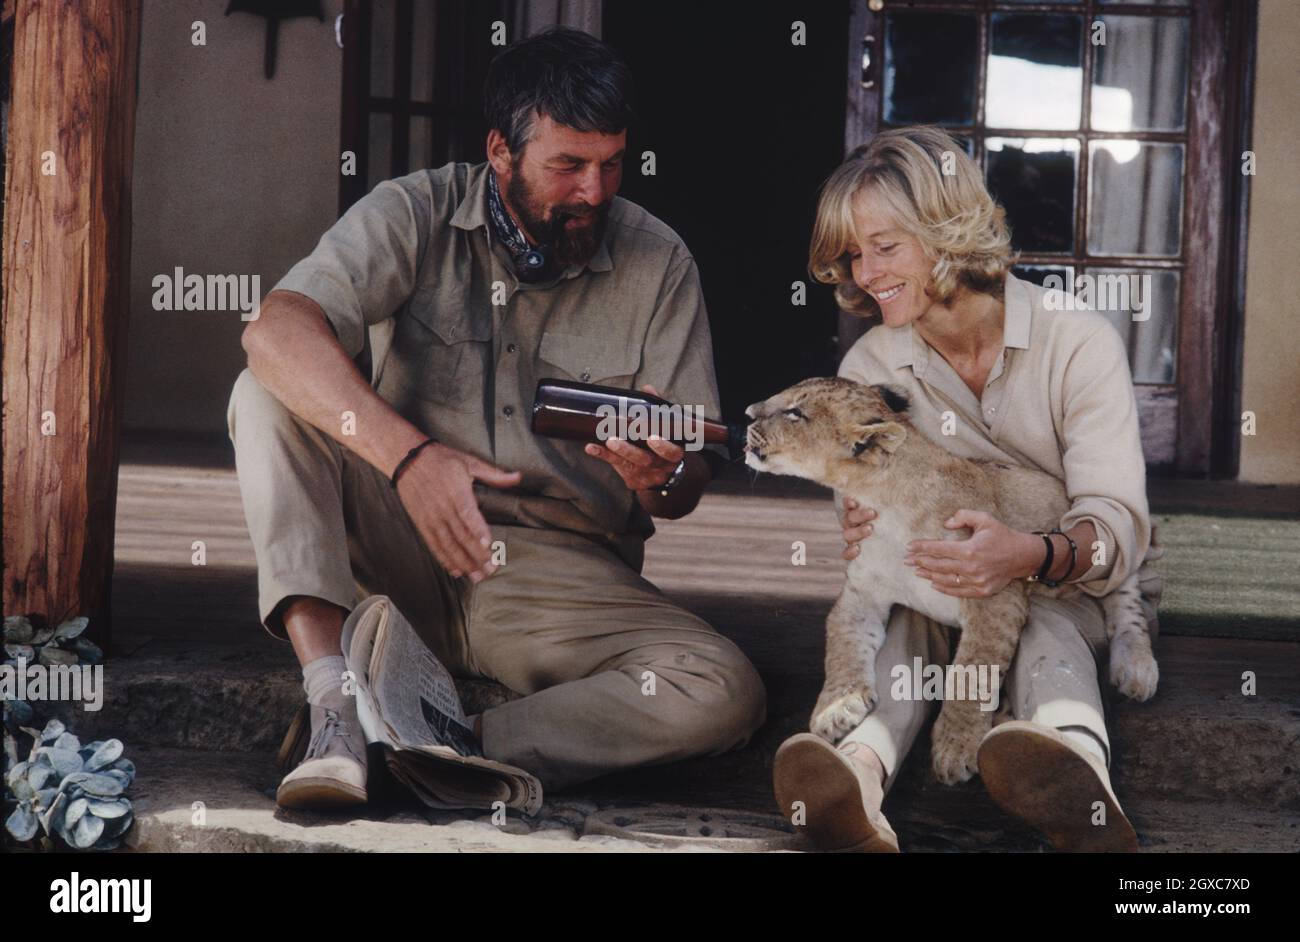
x=565, y=622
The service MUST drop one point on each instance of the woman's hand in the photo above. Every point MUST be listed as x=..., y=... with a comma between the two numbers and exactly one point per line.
x=980, y=566
x=857, y=526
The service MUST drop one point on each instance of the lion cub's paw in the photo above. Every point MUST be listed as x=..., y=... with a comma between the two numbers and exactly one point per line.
x=1133, y=668
x=839, y=712
x=954, y=747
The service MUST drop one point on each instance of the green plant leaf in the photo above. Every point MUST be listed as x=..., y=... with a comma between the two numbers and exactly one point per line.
x=22, y=824
x=71, y=628
x=18, y=629
x=88, y=830
x=102, y=786
x=105, y=754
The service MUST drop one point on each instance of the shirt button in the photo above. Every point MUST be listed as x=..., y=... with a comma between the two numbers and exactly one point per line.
x=508, y=411
x=510, y=348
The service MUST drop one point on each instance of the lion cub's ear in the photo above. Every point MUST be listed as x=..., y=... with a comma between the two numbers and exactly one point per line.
x=886, y=436
x=894, y=397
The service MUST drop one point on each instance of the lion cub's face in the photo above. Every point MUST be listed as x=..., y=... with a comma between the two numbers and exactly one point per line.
x=826, y=430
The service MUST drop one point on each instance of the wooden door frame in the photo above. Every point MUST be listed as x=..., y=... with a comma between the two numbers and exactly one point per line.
x=1215, y=213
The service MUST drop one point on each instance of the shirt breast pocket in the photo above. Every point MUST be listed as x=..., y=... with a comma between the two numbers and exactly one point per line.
x=590, y=359
x=456, y=358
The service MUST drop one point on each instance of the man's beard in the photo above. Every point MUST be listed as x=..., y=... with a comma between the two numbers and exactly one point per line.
x=567, y=247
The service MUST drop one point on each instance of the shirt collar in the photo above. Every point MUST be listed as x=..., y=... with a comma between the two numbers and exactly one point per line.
x=909, y=349
x=473, y=213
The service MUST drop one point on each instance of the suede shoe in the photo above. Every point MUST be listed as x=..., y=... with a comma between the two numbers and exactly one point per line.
x=841, y=805
x=333, y=773
x=1035, y=773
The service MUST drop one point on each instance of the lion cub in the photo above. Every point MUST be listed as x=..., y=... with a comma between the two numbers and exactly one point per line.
x=859, y=440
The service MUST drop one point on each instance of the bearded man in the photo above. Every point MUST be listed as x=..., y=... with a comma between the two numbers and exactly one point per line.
x=382, y=442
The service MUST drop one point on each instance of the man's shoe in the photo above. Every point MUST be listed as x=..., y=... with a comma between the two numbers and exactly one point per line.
x=840, y=807
x=333, y=774
x=1036, y=774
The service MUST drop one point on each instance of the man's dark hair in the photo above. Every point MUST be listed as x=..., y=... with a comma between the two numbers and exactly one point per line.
x=565, y=73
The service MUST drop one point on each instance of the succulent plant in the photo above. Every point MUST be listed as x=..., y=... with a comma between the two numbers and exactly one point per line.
x=63, y=792
x=68, y=791
x=59, y=645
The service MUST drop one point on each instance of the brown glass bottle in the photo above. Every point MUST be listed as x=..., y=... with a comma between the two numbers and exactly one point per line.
x=577, y=411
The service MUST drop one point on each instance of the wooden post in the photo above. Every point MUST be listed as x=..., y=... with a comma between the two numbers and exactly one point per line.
x=67, y=240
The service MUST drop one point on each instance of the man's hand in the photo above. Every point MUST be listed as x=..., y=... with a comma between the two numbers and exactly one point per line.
x=640, y=470
x=978, y=567
x=437, y=489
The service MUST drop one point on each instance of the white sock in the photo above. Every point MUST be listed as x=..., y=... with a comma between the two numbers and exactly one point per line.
x=1088, y=741
x=323, y=681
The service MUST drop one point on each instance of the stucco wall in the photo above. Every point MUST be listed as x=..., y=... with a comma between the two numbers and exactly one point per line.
x=1271, y=381
x=233, y=175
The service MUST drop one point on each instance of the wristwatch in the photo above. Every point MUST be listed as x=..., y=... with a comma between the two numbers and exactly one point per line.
x=679, y=472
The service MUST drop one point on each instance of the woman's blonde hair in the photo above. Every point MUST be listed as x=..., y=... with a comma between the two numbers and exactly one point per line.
x=936, y=194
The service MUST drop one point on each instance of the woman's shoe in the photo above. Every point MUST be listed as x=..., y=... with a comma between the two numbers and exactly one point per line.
x=840, y=803
x=1038, y=775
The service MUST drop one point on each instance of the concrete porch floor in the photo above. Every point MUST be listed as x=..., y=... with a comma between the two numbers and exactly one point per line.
x=201, y=695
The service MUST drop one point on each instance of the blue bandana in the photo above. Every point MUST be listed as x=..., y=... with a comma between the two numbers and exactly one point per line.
x=530, y=263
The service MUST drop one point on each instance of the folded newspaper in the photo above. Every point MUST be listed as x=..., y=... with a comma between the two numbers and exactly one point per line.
x=407, y=702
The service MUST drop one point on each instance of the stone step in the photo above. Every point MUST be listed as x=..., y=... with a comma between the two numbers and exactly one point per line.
x=189, y=800
x=1200, y=739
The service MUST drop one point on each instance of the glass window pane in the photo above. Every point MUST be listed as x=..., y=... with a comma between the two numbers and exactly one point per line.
x=1035, y=71
x=931, y=61
x=382, y=25
x=422, y=54
x=1135, y=204
x=1034, y=179
x=1143, y=306
x=379, y=165
x=1063, y=275
x=421, y=143
x=1140, y=80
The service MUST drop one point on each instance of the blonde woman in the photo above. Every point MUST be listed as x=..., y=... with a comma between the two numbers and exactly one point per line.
x=906, y=230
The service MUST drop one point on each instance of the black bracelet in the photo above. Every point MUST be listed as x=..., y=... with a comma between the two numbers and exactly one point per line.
x=674, y=479
x=1041, y=575
x=410, y=456
x=1074, y=553
x=1051, y=556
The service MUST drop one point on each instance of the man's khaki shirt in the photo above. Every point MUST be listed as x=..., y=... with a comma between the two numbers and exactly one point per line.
x=1059, y=399
x=418, y=290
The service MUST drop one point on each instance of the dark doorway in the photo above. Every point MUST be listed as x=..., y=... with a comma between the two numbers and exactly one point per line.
x=744, y=126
